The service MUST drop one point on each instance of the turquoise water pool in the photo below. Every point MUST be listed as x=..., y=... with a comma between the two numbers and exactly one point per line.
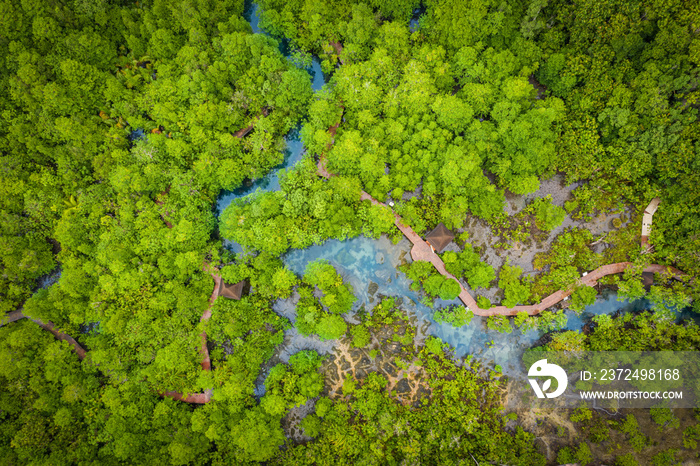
x=370, y=266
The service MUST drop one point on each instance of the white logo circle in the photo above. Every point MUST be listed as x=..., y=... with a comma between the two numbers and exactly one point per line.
x=542, y=369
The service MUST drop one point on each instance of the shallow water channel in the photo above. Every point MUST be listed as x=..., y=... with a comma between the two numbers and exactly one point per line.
x=294, y=147
x=370, y=266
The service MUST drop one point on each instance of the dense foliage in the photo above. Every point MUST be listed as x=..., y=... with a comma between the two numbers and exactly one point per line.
x=669, y=439
x=122, y=122
x=128, y=114
x=456, y=316
x=468, y=264
x=305, y=211
x=120, y=126
x=646, y=331
x=460, y=420
x=425, y=276
x=519, y=89
x=322, y=316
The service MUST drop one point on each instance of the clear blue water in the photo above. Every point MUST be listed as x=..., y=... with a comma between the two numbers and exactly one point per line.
x=251, y=12
x=606, y=303
x=292, y=154
x=270, y=182
x=318, y=79
x=294, y=147
x=414, y=23
x=362, y=261
x=294, y=150
x=136, y=134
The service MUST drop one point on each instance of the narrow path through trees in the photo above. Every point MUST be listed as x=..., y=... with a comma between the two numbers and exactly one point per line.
x=49, y=326
x=422, y=251
x=197, y=398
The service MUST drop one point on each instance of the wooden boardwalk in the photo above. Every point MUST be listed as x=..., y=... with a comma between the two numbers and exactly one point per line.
x=197, y=398
x=422, y=251
x=201, y=398
x=243, y=132
x=48, y=326
x=206, y=315
x=338, y=47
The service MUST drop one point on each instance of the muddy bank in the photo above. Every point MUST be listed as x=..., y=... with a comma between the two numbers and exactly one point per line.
x=482, y=237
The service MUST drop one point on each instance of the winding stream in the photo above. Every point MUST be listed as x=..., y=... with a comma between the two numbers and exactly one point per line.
x=370, y=266
x=294, y=147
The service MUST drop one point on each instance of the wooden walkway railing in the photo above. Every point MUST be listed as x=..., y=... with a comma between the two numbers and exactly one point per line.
x=421, y=250
x=49, y=326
